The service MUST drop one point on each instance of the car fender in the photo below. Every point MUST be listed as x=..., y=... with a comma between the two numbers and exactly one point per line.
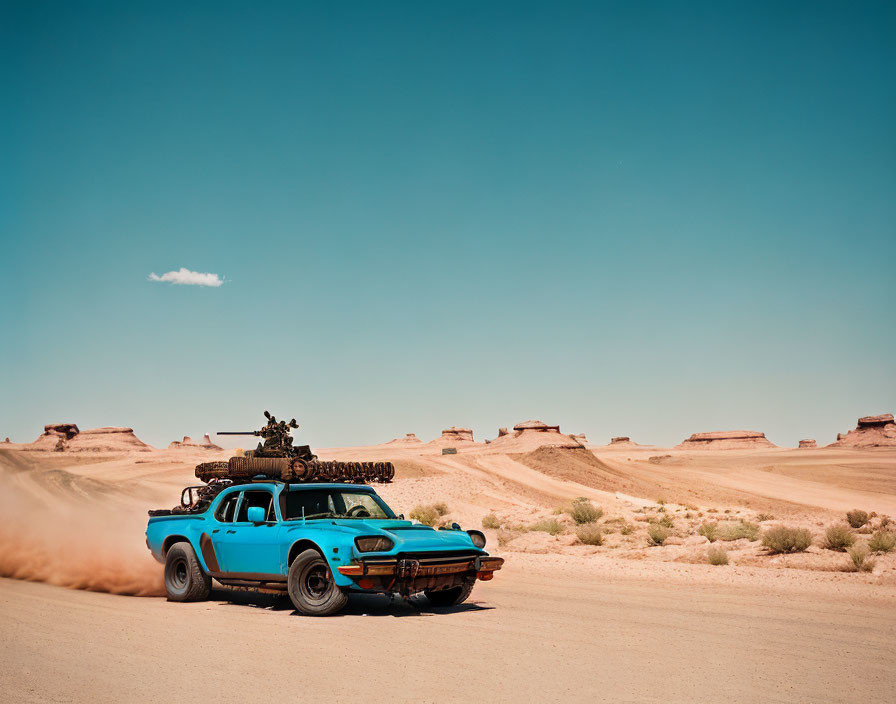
x=333, y=542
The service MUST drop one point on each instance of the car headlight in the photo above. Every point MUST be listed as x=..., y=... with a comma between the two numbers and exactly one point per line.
x=374, y=543
x=478, y=538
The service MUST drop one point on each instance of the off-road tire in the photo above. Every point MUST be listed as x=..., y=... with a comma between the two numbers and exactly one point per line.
x=451, y=597
x=311, y=587
x=185, y=580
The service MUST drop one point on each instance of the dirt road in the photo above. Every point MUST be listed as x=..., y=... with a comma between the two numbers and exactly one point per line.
x=524, y=637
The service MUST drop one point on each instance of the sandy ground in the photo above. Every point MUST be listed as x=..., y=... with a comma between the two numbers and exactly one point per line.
x=621, y=621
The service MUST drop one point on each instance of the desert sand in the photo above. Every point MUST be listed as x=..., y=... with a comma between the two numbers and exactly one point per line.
x=622, y=621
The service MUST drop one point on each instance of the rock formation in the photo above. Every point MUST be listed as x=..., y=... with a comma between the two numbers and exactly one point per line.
x=808, y=443
x=55, y=437
x=580, y=437
x=106, y=440
x=620, y=439
x=530, y=435
x=408, y=439
x=7, y=441
x=726, y=440
x=454, y=436
x=871, y=431
x=189, y=443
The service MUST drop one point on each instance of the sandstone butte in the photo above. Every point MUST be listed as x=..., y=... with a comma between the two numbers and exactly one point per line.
x=871, y=431
x=726, y=440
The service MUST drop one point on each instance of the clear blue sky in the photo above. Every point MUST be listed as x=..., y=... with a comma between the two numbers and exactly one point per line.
x=638, y=218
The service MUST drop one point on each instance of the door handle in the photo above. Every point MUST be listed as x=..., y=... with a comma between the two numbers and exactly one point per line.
x=231, y=531
x=216, y=530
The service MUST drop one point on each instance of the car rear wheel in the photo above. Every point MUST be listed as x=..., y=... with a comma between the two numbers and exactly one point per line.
x=185, y=580
x=450, y=597
x=311, y=587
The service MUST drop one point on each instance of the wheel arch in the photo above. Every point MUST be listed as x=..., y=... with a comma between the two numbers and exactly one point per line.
x=171, y=540
x=299, y=547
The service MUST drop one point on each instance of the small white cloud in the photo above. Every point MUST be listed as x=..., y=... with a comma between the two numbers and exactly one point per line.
x=185, y=276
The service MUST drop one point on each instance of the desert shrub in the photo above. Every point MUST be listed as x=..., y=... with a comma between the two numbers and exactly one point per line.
x=585, y=512
x=856, y=518
x=490, y=521
x=717, y=555
x=590, y=534
x=838, y=537
x=656, y=534
x=709, y=531
x=859, y=560
x=626, y=529
x=547, y=525
x=885, y=521
x=760, y=517
x=505, y=536
x=736, y=531
x=783, y=539
x=427, y=515
x=440, y=508
x=882, y=541
x=666, y=521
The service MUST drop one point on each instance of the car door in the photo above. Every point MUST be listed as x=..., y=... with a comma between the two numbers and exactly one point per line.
x=212, y=542
x=247, y=548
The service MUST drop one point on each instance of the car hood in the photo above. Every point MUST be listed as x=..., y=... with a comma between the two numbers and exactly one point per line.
x=411, y=537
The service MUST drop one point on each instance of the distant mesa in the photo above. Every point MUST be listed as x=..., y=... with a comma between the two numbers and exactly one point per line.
x=726, y=440
x=808, y=443
x=502, y=432
x=871, y=431
x=7, y=441
x=408, y=439
x=580, y=437
x=67, y=437
x=454, y=436
x=188, y=443
x=620, y=439
x=532, y=434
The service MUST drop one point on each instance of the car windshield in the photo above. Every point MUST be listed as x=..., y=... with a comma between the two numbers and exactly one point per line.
x=334, y=503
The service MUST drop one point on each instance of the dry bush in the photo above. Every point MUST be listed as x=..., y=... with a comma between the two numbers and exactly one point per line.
x=590, y=534
x=717, y=555
x=736, y=531
x=626, y=529
x=547, y=525
x=440, y=507
x=666, y=521
x=505, y=536
x=656, y=534
x=838, y=537
x=882, y=541
x=856, y=518
x=760, y=517
x=859, y=560
x=426, y=515
x=490, y=521
x=584, y=512
x=710, y=531
x=782, y=539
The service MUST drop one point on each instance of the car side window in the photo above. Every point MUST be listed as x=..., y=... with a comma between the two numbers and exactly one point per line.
x=257, y=498
x=228, y=506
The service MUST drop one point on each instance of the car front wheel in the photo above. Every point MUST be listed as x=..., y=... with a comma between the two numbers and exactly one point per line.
x=311, y=587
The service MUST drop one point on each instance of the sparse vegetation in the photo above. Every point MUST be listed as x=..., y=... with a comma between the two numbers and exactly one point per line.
x=547, y=525
x=440, y=507
x=583, y=512
x=505, y=536
x=491, y=521
x=859, y=560
x=736, y=531
x=590, y=534
x=626, y=529
x=666, y=521
x=760, y=517
x=838, y=537
x=427, y=515
x=656, y=534
x=782, y=539
x=717, y=555
x=710, y=531
x=882, y=541
x=856, y=518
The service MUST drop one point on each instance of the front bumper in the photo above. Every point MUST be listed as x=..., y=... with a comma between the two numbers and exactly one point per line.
x=416, y=574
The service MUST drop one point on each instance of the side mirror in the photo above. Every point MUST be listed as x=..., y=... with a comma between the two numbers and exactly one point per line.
x=256, y=514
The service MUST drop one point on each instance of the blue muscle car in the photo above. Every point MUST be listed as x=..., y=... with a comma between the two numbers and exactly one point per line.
x=317, y=542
